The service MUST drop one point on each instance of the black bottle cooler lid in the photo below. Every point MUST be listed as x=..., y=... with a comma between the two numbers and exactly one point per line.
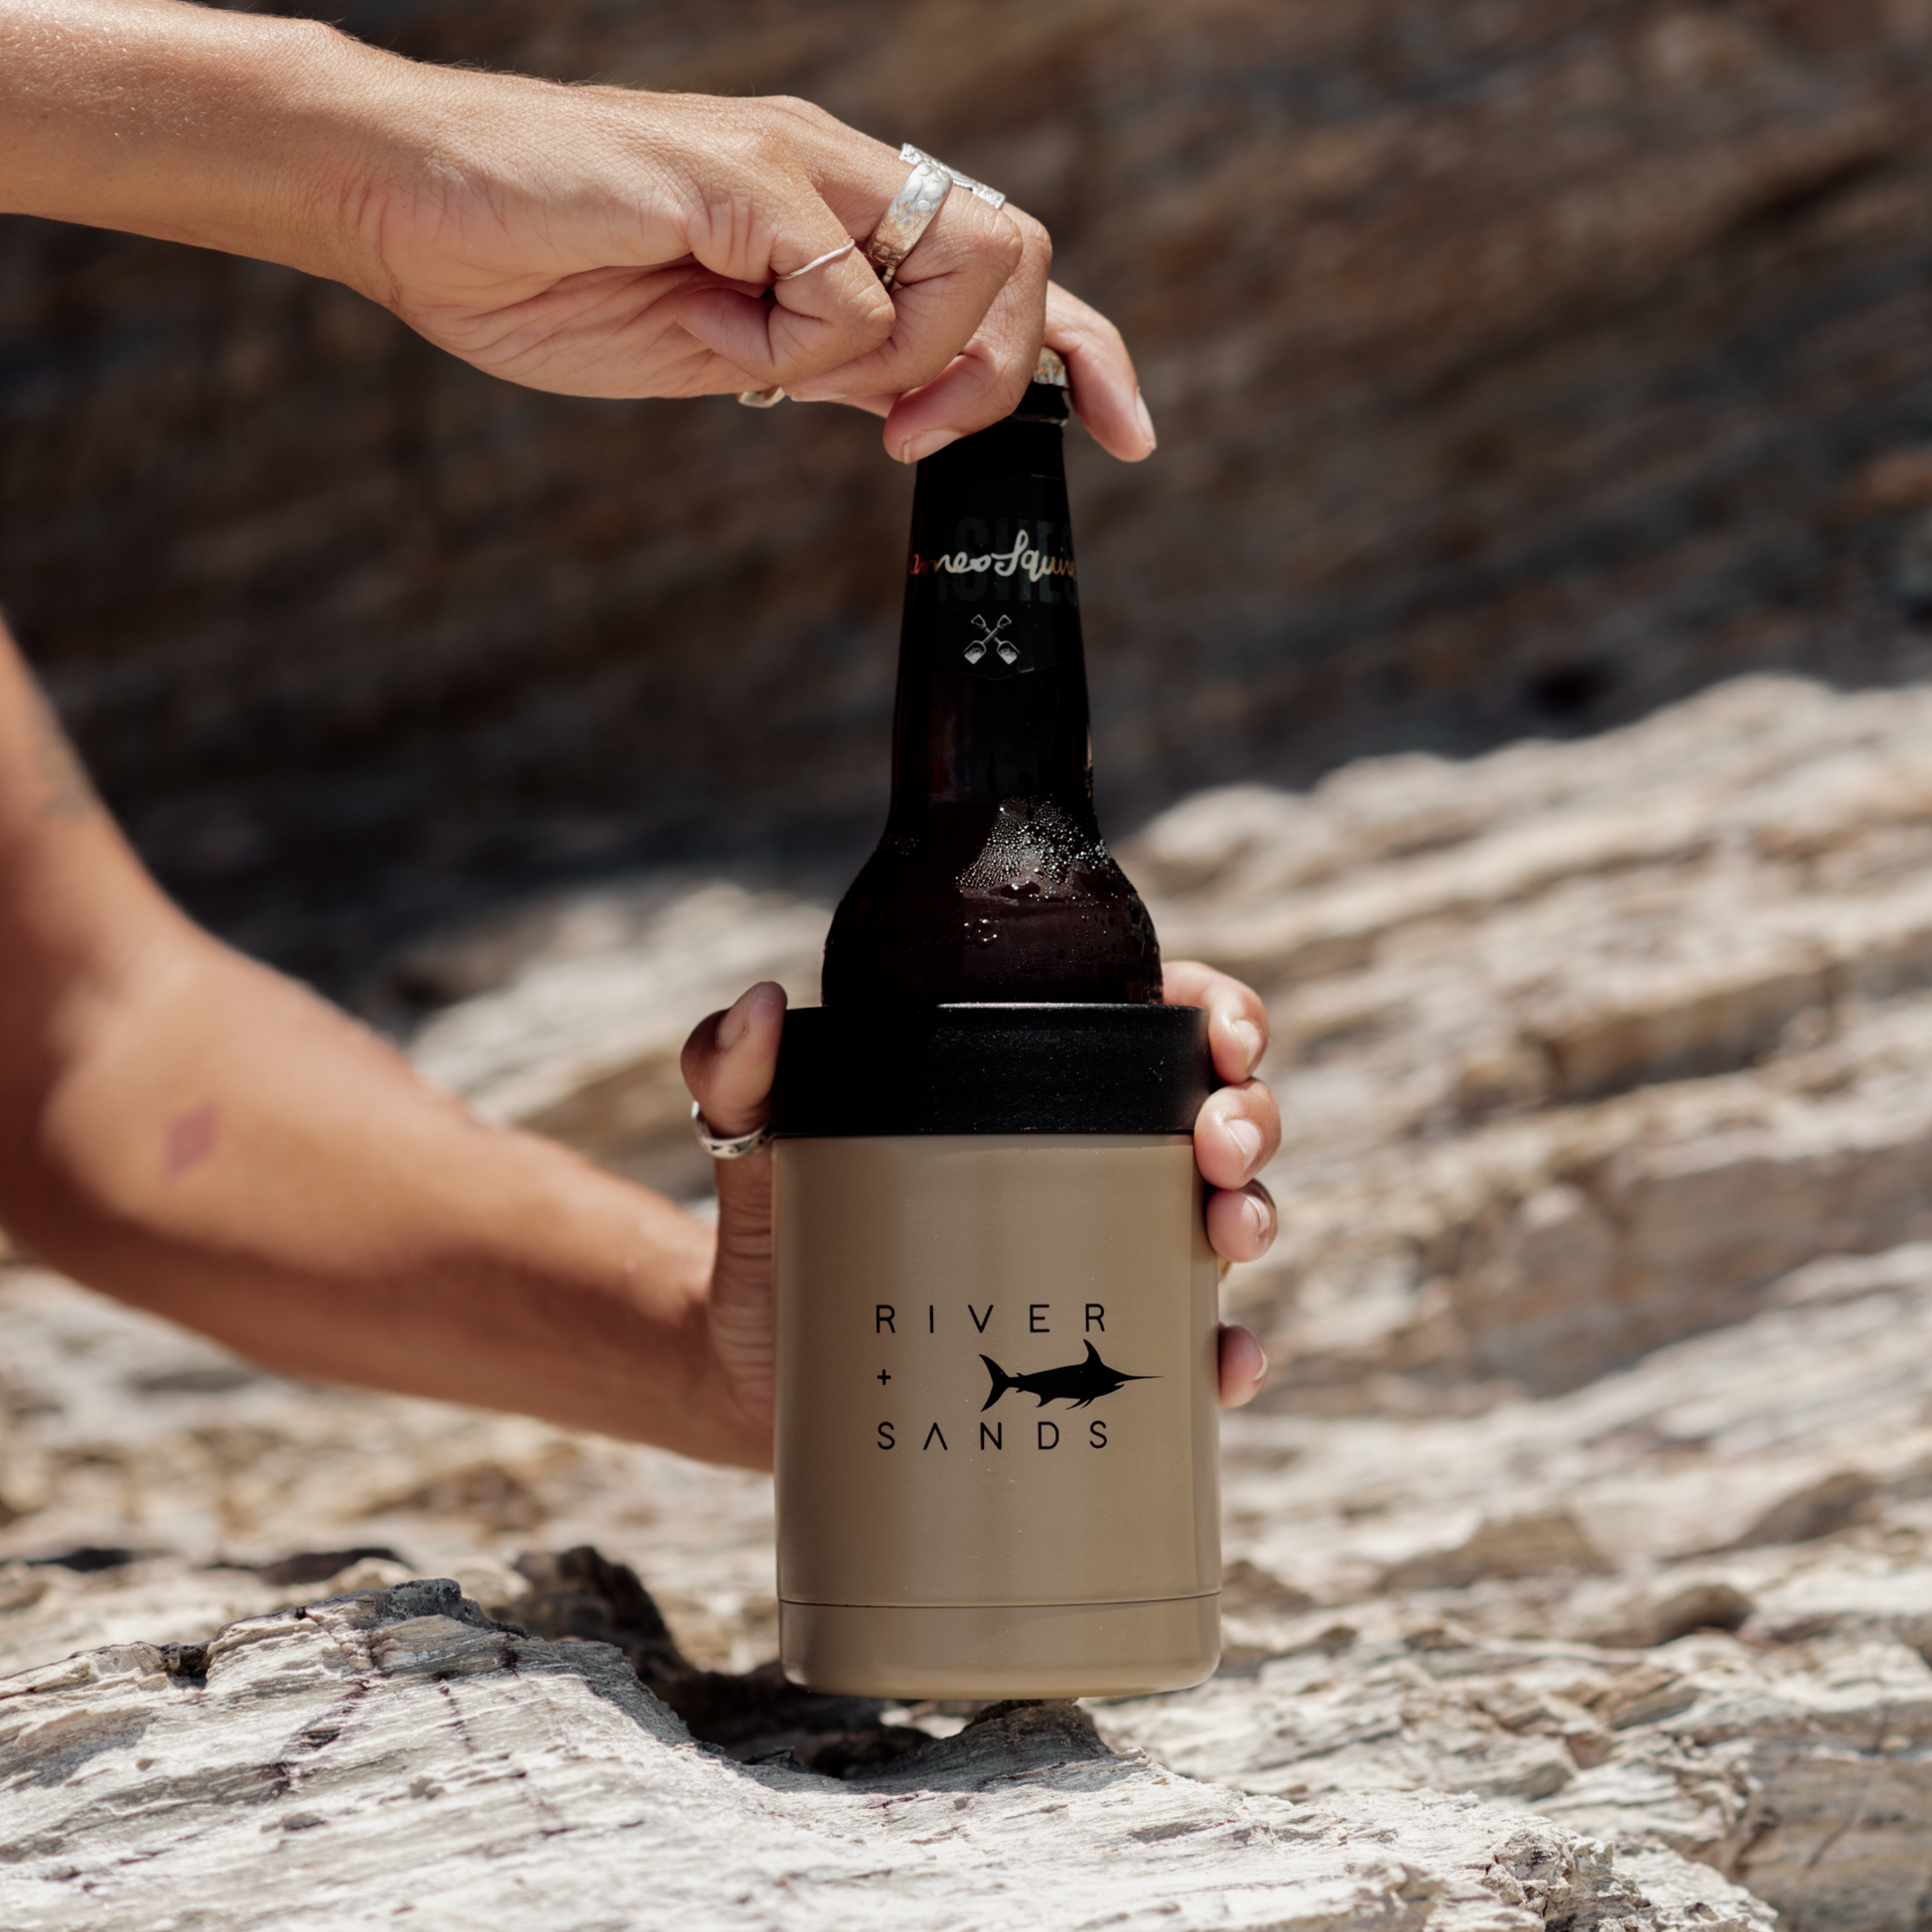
x=992, y=1069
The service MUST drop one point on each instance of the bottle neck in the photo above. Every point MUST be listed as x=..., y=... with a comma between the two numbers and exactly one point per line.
x=992, y=678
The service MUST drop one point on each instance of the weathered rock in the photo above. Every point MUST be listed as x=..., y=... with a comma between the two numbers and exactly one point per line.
x=1804, y=1773
x=1512, y=1546
x=1598, y=1481
x=580, y=1596
x=1371, y=1690
x=123, y=1437
x=1582, y=1046
x=1654, y=1616
x=397, y=1750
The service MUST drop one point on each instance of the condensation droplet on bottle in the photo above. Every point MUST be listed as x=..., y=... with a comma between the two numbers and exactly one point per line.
x=1032, y=851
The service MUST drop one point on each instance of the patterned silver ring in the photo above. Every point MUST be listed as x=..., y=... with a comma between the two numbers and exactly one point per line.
x=735, y=1148
x=990, y=196
x=914, y=206
x=910, y=215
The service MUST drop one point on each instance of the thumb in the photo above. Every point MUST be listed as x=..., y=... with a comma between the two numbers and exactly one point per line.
x=728, y=1064
x=729, y=1059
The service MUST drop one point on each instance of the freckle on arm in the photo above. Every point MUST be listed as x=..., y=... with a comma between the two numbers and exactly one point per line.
x=189, y=1140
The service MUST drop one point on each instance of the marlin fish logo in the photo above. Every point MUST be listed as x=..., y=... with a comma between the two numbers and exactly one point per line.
x=1078, y=1382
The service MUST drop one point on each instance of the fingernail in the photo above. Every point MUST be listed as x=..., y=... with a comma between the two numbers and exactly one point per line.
x=1247, y=1137
x=1144, y=420
x=733, y=1022
x=1249, y=1034
x=1257, y=1216
x=916, y=449
x=1261, y=1374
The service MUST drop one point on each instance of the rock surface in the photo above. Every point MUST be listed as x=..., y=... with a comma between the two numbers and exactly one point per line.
x=325, y=1764
x=1518, y=365
x=1583, y=1046
x=1591, y=1514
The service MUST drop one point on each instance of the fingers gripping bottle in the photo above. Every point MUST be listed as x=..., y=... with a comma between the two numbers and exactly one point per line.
x=995, y=1302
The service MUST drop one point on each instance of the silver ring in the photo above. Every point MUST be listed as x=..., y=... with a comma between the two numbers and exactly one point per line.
x=910, y=214
x=913, y=208
x=818, y=261
x=990, y=196
x=733, y=1149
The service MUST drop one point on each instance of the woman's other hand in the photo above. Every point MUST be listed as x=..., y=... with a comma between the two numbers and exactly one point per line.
x=1237, y=1131
x=729, y=1064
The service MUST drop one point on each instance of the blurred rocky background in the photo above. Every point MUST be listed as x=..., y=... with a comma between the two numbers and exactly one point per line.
x=1519, y=364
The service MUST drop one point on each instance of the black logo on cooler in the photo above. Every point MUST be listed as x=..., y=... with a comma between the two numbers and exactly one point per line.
x=1078, y=1382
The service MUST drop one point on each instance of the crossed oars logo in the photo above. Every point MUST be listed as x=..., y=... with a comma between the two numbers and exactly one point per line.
x=990, y=634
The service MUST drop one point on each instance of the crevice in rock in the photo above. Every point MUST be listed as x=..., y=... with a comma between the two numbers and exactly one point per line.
x=185, y=1663
x=580, y=1595
x=1794, y=203
x=302, y=1567
x=85, y=1560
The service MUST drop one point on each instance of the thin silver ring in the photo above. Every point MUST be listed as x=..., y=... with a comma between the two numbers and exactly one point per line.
x=818, y=261
x=736, y=1147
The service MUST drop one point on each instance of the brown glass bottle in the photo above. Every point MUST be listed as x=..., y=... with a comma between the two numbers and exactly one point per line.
x=991, y=882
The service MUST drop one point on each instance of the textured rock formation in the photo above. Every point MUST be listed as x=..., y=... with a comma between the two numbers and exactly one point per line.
x=1581, y=1044
x=396, y=1748
x=1583, y=1047
x=1586, y=1531
x=1801, y=1771
x=1518, y=363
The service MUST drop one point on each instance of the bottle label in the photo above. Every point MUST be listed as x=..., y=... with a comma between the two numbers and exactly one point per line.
x=998, y=601
x=996, y=1360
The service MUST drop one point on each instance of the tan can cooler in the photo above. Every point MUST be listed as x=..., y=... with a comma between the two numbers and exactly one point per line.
x=997, y=1447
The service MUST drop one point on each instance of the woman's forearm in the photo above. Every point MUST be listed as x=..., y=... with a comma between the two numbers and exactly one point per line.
x=225, y=1148
x=234, y=131
x=191, y=1132
x=599, y=241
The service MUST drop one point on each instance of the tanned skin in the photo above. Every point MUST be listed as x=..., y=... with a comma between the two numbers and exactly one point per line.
x=182, y=1128
x=191, y=1133
x=595, y=241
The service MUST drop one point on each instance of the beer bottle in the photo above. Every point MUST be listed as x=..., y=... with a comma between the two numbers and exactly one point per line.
x=991, y=882
x=996, y=1434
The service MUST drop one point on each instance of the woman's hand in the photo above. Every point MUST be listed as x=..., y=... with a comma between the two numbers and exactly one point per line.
x=1237, y=1131
x=729, y=1064
x=595, y=241
x=601, y=241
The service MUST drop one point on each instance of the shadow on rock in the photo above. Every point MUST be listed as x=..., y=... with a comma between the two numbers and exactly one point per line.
x=580, y=1595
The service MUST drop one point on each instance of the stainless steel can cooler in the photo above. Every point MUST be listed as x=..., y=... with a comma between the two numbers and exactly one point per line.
x=997, y=1444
